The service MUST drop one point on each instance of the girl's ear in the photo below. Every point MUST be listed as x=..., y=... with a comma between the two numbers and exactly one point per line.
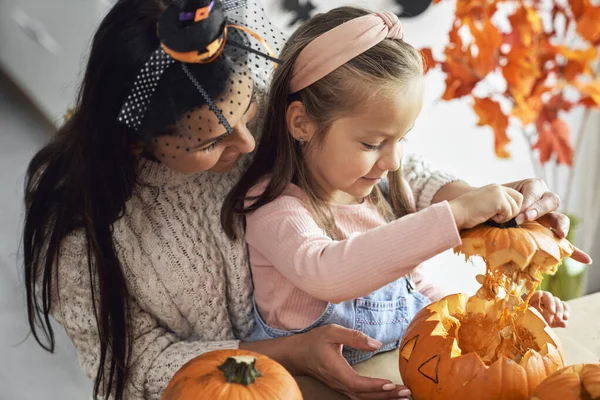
x=299, y=124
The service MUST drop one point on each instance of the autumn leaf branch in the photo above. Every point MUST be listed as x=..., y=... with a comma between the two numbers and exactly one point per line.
x=544, y=76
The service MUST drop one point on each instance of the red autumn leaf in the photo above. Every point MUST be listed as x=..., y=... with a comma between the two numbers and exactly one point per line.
x=554, y=105
x=554, y=138
x=491, y=114
x=587, y=102
x=578, y=7
x=428, y=59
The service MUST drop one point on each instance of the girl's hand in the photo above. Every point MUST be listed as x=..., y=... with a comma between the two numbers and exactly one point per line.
x=319, y=354
x=554, y=310
x=496, y=202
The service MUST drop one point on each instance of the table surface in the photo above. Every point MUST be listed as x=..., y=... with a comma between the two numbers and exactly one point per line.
x=580, y=343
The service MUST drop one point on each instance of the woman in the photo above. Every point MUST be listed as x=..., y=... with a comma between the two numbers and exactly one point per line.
x=122, y=241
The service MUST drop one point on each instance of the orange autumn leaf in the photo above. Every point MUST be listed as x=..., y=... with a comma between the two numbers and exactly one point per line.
x=592, y=92
x=460, y=76
x=527, y=110
x=555, y=104
x=469, y=11
x=532, y=61
x=521, y=72
x=491, y=114
x=456, y=88
x=578, y=61
x=488, y=40
x=588, y=25
x=428, y=59
x=527, y=24
x=554, y=138
x=578, y=7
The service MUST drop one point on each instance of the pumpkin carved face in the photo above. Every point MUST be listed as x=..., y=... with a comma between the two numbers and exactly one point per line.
x=576, y=382
x=455, y=348
x=232, y=375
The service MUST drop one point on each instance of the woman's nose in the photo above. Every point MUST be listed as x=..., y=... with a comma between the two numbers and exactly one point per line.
x=243, y=140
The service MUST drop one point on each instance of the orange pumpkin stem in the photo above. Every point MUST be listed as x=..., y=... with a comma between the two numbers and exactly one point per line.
x=241, y=370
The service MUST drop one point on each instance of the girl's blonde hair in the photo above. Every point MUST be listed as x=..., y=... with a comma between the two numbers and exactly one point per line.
x=381, y=71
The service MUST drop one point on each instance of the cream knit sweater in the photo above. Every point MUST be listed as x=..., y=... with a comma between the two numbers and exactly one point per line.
x=190, y=287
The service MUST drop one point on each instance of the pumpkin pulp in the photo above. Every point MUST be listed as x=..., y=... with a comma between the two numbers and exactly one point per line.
x=510, y=287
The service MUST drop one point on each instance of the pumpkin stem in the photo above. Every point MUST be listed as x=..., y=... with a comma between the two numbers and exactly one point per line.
x=508, y=224
x=240, y=369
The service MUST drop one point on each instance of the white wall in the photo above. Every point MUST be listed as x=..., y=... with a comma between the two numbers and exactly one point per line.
x=446, y=132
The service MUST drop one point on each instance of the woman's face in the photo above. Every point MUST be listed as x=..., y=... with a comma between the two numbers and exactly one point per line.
x=201, y=143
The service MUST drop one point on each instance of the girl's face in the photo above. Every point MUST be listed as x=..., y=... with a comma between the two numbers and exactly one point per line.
x=202, y=143
x=359, y=150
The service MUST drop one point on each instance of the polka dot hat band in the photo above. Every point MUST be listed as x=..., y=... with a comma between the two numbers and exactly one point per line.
x=200, y=32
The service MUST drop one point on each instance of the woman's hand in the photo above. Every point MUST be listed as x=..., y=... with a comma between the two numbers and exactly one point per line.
x=539, y=203
x=554, y=310
x=319, y=354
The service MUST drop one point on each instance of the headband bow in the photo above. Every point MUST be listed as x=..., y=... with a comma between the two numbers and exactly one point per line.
x=341, y=44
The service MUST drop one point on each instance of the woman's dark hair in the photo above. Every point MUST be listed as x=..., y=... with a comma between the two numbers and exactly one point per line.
x=82, y=179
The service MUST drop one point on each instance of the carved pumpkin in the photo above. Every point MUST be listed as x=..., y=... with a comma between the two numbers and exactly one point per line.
x=455, y=348
x=232, y=375
x=576, y=382
x=525, y=252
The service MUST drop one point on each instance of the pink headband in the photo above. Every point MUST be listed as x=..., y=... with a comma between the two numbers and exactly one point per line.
x=336, y=47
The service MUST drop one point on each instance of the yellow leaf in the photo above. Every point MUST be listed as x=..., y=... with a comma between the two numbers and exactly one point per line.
x=527, y=110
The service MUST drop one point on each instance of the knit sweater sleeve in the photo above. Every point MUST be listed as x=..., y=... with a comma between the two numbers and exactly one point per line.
x=423, y=179
x=156, y=354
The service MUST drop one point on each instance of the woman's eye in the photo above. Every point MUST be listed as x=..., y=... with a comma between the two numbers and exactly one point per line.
x=212, y=146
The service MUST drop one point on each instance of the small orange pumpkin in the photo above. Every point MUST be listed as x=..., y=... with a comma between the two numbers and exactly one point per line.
x=454, y=349
x=576, y=382
x=232, y=375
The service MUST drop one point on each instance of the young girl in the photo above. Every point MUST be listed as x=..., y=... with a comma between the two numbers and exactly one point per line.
x=325, y=246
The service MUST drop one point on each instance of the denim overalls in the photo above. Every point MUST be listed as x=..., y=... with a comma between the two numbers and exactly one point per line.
x=383, y=315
